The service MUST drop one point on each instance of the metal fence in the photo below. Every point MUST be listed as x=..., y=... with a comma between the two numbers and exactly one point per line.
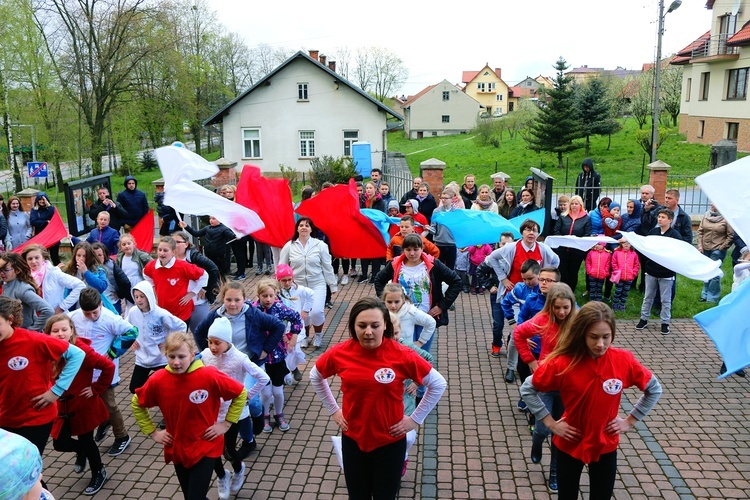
x=397, y=174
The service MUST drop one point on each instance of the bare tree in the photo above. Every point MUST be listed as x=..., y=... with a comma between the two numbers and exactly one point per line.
x=265, y=60
x=363, y=70
x=343, y=58
x=388, y=72
x=232, y=63
x=92, y=47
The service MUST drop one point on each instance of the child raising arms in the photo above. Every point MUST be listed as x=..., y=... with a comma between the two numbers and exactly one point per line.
x=590, y=374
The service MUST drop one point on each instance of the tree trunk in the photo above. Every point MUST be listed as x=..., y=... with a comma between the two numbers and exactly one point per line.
x=196, y=131
x=609, y=141
x=588, y=146
x=560, y=160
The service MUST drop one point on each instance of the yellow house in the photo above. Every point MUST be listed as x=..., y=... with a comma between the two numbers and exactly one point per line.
x=487, y=87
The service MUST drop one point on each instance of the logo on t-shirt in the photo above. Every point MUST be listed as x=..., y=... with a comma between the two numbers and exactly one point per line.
x=385, y=375
x=612, y=386
x=173, y=281
x=199, y=396
x=18, y=363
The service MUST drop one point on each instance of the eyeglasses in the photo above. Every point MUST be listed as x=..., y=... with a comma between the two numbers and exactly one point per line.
x=547, y=280
x=3, y=271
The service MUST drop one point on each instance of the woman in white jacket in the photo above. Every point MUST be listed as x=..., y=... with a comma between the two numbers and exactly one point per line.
x=59, y=289
x=311, y=262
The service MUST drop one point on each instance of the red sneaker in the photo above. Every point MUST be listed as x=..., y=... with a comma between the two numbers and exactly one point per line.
x=495, y=352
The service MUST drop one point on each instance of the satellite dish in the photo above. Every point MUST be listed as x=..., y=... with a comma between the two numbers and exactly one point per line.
x=736, y=7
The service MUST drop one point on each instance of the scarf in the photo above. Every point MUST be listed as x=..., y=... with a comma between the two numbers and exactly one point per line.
x=524, y=205
x=484, y=205
x=369, y=201
x=420, y=199
x=713, y=217
x=38, y=276
x=458, y=202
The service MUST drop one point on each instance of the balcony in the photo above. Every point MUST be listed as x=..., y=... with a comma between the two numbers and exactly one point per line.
x=714, y=48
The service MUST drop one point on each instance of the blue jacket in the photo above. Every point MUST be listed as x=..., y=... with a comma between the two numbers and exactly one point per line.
x=109, y=237
x=631, y=223
x=256, y=323
x=134, y=202
x=596, y=222
x=517, y=295
x=534, y=303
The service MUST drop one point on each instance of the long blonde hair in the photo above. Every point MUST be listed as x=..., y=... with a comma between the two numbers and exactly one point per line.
x=571, y=341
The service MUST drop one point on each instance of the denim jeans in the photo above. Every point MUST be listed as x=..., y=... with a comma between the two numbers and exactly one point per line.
x=498, y=318
x=712, y=288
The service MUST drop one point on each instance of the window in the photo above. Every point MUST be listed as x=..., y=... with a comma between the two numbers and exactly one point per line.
x=301, y=91
x=446, y=95
x=350, y=137
x=480, y=87
x=446, y=118
x=737, y=88
x=701, y=126
x=499, y=97
x=733, y=129
x=251, y=143
x=688, y=87
x=307, y=143
x=491, y=87
x=705, y=80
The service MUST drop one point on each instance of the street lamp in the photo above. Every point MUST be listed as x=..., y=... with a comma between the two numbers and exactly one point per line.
x=657, y=75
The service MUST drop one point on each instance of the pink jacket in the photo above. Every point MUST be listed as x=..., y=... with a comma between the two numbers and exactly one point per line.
x=598, y=263
x=477, y=254
x=625, y=265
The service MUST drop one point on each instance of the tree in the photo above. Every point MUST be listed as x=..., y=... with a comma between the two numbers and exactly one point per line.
x=519, y=120
x=557, y=125
x=92, y=46
x=363, y=69
x=388, y=72
x=642, y=101
x=593, y=109
x=671, y=91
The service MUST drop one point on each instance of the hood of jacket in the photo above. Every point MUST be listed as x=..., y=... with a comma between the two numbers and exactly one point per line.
x=130, y=178
x=41, y=195
x=146, y=289
x=636, y=209
x=588, y=162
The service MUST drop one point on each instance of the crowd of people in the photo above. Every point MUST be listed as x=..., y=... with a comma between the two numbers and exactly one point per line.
x=199, y=335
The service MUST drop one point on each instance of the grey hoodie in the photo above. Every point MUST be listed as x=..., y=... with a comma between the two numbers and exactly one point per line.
x=32, y=304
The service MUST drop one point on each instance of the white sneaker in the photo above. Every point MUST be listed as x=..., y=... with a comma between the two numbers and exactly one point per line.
x=223, y=485
x=303, y=342
x=318, y=339
x=288, y=379
x=345, y=279
x=238, y=479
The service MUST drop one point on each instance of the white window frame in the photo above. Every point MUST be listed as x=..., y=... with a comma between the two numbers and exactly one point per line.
x=255, y=149
x=480, y=86
x=491, y=87
x=302, y=91
x=307, y=144
x=349, y=141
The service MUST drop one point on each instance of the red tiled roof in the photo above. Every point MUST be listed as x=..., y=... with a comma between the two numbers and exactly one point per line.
x=742, y=37
x=419, y=94
x=695, y=44
x=469, y=76
x=519, y=91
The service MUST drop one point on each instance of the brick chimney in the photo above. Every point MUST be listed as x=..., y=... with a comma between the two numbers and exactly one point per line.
x=332, y=66
x=314, y=54
x=322, y=59
x=497, y=72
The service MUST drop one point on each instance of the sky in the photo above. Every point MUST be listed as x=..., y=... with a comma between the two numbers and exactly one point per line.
x=440, y=40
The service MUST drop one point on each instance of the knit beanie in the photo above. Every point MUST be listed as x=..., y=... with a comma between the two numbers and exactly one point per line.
x=221, y=329
x=614, y=205
x=284, y=271
x=22, y=465
x=393, y=204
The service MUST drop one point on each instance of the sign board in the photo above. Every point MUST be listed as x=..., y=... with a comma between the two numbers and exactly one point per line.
x=37, y=169
x=79, y=196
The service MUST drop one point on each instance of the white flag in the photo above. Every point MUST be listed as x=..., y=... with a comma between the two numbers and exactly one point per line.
x=584, y=243
x=676, y=255
x=728, y=188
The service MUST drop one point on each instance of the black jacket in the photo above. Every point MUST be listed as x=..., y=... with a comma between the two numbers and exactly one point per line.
x=116, y=214
x=215, y=238
x=588, y=185
x=134, y=202
x=427, y=206
x=651, y=267
x=409, y=195
x=469, y=197
x=683, y=224
x=200, y=260
x=581, y=227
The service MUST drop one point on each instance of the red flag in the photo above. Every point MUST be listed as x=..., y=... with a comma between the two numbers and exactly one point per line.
x=143, y=232
x=335, y=211
x=49, y=236
x=271, y=199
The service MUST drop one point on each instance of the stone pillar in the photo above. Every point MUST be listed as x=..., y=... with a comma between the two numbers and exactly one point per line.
x=227, y=173
x=27, y=197
x=723, y=153
x=431, y=172
x=658, y=179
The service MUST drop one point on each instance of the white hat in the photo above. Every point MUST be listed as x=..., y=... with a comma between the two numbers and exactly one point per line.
x=502, y=175
x=221, y=329
x=414, y=204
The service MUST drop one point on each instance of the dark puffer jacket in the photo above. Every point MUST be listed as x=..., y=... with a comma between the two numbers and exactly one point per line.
x=134, y=202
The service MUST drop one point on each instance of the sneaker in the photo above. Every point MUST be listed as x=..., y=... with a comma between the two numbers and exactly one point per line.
x=552, y=485
x=303, y=343
x=269, y=270
x=318, y=340
x=222, y=484
x=344, y=280
x=297, y=375
x=246, y=448
x=480, y=291
x=466, y=290
x=280, y=422
x=96, y=483
x=495, y=352
x=102, y=432
x=363, y=279
x=665, y=329
x=532, y=423
x=473, y=291
x=353, y=272
x=80, y=465
x=403, y=469
x=119, y=446
x=238, y=478
x=288, y=379
x=522, y=405
x=510, y=376
x=641, y=324
x=259, y=271
x=267, y=424
x=329, y=305
x=241, y=277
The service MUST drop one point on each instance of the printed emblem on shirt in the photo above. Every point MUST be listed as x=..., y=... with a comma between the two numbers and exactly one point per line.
x=385, y=375
x=199, y=396
x=173, y=281
x=612, y=386
x=18, y=363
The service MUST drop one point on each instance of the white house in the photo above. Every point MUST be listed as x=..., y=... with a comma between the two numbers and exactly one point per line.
x=299, y=111
x=440, y=109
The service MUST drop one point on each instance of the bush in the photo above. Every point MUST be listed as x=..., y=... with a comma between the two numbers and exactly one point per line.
x=148, y=161
x=330, y=169
x=489, y=131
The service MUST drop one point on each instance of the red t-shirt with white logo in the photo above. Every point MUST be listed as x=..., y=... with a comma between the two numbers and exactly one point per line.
x=372, y=383
x=171, y=284
x=26, y=359
x=190, y=405
x=591, y=393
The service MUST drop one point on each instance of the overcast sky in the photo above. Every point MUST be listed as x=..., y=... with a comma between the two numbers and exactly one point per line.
x=439, y=40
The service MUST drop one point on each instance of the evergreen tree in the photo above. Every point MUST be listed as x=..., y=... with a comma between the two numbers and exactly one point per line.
x=594, y=110
x=557, y=125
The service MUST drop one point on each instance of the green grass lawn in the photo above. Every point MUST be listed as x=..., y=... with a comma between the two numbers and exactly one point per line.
x=620, y=165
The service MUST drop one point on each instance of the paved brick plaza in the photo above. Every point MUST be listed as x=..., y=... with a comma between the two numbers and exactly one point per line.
x=695, y=444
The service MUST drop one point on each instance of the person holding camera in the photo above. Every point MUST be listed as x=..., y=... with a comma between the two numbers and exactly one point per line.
x=649, y=212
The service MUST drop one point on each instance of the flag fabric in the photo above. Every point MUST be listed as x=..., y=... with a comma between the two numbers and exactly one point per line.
x=49, y=236
x=728, y=188
x=584, y=243
x=272, y=200
x=381, y=221
x=727, y=326
x=537, y=216
x=335, y=211
x=180, y=167
x=143, y=232
x=676, y=255
x=475, y=227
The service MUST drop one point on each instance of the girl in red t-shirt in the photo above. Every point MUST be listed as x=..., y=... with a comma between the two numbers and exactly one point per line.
x=372, y=367
x=80, y=409
x=590, y=376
